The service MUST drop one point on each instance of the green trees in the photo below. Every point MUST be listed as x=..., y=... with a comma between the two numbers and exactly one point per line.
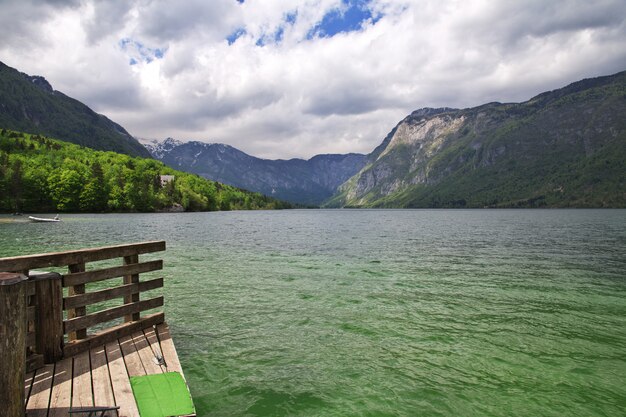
x=41, y=174
x=65, y=189
x=93, y=197
x=16, y=184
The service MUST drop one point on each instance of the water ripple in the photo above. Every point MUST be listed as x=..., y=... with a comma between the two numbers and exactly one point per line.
x=384, y=312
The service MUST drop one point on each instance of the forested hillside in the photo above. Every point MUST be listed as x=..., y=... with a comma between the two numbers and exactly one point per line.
x=30, y=104
x=39, y=174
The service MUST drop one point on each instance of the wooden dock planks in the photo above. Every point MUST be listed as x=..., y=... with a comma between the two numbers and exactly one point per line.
x=168, y=349
x=131, y=357
x=120, y=381
x=61, y=396
x=153, y=340
x=87, y=366
x=28, y=383
x=39, y=398
x=146, y=355
x=100, y=376
x=82, y=394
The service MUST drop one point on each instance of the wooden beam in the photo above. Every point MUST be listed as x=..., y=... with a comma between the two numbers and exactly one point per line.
x=131, y=357
x=111, y=334
x=120, y=381
x=152, y=338
x=77, y=312
x=31, y=340
x=106, y=273
x=82, y=395
x=132, y=279
x=110, y=314
x=110, y=293
x=20, y=263
x=27, y=385
x=34, y=362
x=39, y=398
x=146, y=355
x=61, y=396
x=101, y=379
x=168, y=348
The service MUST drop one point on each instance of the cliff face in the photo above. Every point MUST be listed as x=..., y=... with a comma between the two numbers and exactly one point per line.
x=30, y=104
x=562, y=148
x=308, y=182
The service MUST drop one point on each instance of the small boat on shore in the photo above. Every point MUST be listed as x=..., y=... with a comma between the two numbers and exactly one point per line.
x=44, y=219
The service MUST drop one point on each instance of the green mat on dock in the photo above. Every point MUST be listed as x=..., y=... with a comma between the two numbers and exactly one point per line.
x=162, y=395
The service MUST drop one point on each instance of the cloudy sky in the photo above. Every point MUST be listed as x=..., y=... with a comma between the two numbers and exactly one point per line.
x=289, y=78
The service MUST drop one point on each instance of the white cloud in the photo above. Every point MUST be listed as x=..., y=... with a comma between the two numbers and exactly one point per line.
x=299, y=95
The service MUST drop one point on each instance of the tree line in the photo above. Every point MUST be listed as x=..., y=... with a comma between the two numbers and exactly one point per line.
x=39, y=174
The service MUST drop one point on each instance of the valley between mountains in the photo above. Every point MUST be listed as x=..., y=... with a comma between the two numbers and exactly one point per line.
x=562, y=148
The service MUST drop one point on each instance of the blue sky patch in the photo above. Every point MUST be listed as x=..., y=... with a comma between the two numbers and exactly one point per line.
x=235, y=35
x=276, y=37
x=139, y=52
x=349, y=18
x=291, y=17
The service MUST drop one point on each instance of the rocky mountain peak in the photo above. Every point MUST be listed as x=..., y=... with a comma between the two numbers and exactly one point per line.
x=40, y=82
x=430, y=111
x=562, y=148
x=171, y=142
x=158, y=148
x=302, y=181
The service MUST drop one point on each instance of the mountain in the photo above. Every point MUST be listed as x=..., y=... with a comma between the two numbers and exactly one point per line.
x=30, y=104
x=563, y=148
x=40, y=174
x=308, y=182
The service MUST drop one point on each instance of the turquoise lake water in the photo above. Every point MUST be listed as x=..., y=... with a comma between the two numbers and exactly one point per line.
x=383, y=312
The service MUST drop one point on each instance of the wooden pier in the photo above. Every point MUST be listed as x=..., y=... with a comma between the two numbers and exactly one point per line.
x=70, y=362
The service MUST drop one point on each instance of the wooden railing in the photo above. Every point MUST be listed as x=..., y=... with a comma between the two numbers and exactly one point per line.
x=58, y=325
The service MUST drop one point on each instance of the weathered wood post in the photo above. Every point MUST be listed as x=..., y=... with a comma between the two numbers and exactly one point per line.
x=49, y=326
x=12, y=343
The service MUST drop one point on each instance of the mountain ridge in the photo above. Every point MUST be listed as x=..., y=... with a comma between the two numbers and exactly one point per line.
x=28, y=103
x=561, y=148
x=543, y=152
x=307, y=182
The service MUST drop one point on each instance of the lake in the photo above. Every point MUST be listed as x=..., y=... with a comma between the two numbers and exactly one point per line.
x=383, y=312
